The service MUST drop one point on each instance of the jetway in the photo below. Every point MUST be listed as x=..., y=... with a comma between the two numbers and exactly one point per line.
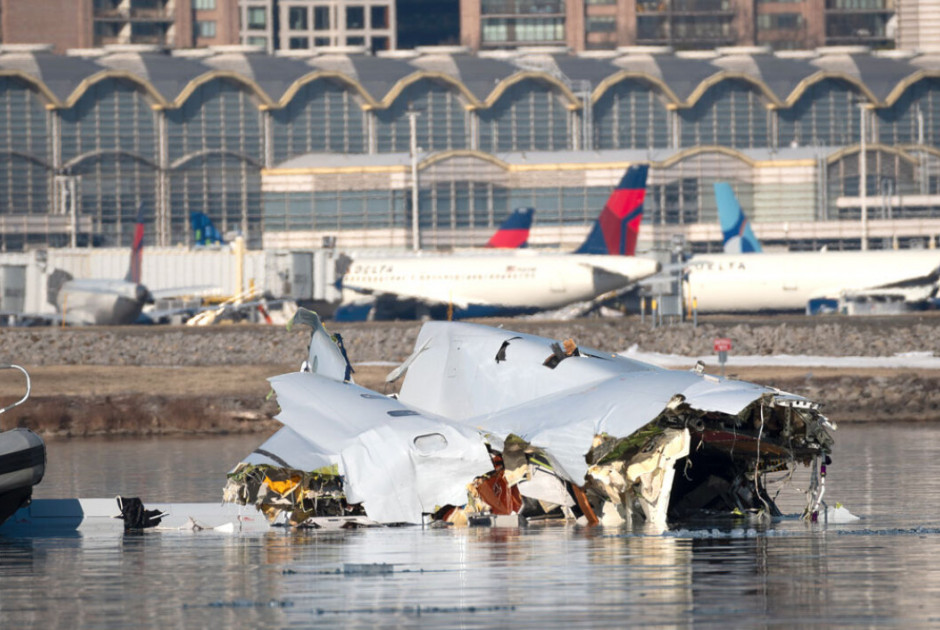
x=306, y=276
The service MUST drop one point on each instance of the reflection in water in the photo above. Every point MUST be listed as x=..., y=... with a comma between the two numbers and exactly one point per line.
x=873, y=572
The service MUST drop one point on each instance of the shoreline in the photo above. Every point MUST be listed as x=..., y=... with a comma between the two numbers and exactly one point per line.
x=93, y=401
x=136, y=380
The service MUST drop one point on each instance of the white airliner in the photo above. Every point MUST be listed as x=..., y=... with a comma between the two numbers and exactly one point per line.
x=510, y=284
x=808, y=281
x=793, y=280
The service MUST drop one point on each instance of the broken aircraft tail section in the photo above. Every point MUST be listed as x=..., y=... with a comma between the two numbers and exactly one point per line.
x=493, y=424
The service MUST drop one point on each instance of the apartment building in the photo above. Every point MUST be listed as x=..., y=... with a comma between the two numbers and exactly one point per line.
x=683, y=24
x=94, y=23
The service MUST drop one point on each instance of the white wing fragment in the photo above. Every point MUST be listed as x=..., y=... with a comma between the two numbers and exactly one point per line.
x=491, y=423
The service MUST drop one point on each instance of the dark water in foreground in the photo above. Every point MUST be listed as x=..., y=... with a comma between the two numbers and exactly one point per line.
x=883, y=570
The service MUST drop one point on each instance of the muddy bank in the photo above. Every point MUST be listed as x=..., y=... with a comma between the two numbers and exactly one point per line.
x=140, y=415
x=164, y=380
x=144, y=408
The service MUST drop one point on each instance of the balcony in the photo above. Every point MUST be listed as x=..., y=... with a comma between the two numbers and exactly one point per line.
x=133, y=15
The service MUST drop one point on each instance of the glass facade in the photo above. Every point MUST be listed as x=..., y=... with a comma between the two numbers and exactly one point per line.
x=731, y=113
x=528, y=116
x=631, y=115
x=323, y=117
x=122, y=147
x=826, y=114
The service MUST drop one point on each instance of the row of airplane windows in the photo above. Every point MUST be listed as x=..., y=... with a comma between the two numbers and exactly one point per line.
x=446, y=276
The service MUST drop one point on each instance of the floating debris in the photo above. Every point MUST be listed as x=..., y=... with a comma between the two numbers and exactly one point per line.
x=493, y=427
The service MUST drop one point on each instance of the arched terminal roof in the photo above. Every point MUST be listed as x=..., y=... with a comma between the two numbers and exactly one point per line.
x=57, y=76
x=682, y=78
x=271, y=75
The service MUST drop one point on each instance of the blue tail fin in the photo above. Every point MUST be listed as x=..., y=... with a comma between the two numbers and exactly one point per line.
x=204, y=232
x=735, y=228
x=616, y=230
x=514, y=232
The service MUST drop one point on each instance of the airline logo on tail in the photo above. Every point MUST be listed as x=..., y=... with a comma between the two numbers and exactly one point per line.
x=735, y=228
x=616, y=230
x=137, y=249
x=514, y=232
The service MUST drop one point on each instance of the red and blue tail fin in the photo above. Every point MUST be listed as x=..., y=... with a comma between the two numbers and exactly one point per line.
x=616, y=230
x=514, y=232
x=137, y=248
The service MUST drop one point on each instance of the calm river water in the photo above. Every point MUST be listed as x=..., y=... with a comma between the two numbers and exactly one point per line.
x=883, y=570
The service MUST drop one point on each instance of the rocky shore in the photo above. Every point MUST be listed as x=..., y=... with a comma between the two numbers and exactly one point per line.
x=155, y=380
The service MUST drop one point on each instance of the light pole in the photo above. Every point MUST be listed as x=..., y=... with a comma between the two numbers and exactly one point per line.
x=863, y=173
x=413, y=128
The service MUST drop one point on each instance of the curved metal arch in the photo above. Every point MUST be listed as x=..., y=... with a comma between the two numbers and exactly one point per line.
x=626, y=75
x=694, y=151
x=818, y=77
x=180, y=162
x=877, y=146
x=78, y=159
x=503, y=86
x=920, y=148
x=25, y=156
x=405, y=82
x=453, y=153
x=898, y=91
x=104, y=75
x=41, y=87
x=726, y=75
x=319, y=75
x=208, y=77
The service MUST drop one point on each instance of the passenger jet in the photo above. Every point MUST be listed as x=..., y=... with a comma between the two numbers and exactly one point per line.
x=508, y=284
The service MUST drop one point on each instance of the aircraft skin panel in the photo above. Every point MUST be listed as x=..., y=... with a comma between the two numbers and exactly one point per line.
x=378, y=441
x=566, y=406
x=787, y=281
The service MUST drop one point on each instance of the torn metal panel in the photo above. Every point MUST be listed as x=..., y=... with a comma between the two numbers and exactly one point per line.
x=492, y=424
x=326, y=355
x=395, y=461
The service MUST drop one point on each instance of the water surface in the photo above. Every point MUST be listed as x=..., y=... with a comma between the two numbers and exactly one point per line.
x=880, y=571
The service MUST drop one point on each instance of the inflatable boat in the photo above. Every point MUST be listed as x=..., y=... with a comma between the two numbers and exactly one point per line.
x=22, y=461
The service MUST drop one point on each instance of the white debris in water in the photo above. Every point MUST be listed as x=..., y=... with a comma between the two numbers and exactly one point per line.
x=839, y=514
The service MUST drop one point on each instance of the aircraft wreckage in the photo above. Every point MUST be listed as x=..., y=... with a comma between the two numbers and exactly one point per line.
x=491, y=424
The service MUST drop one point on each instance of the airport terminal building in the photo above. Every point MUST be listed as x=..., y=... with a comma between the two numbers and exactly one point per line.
x=433, y=147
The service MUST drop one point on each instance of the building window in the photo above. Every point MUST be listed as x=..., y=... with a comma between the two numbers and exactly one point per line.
x=781, y=21
x=321, y=41
x=321, y=18
x=379, y=17
x=205, y=28
x=355, y=41
x=379, y=43
x=257, y=41
x=257, y=18
x=601, y=24
x=355, y=18
x=298, y=43
x=297, y=18
x=601, y=1
x=204, y=5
